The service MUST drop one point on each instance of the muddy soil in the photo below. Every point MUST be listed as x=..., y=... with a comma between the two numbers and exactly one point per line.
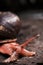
x=32, y=23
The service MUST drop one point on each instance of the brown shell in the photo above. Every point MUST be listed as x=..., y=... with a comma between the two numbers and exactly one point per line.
x=10, y=25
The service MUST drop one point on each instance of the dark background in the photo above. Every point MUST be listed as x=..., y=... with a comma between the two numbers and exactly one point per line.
x=20, y=5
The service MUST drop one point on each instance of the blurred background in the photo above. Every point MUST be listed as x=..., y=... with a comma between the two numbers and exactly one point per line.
x=20, y=5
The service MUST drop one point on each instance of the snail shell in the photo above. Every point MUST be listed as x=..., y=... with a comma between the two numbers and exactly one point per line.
x=10, y=25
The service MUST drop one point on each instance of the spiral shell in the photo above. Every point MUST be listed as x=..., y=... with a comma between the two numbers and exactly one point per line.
x=10, y=25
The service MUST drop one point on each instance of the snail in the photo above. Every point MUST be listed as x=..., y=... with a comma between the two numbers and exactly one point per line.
x=10, y=25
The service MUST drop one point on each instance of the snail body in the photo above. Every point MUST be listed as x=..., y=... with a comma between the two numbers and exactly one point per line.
x=10, y=25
